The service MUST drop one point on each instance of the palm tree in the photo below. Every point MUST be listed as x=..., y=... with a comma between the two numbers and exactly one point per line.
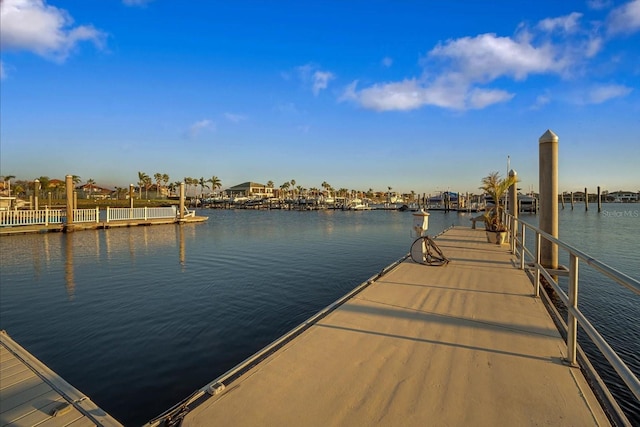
x=496, y=187
x=158, y=177
x=215, y=183
x=142, y=179
x=203, y=184
x=165, y=179
x=7, y=182
x=285, y=188
x=147, y=185
x=91, y=183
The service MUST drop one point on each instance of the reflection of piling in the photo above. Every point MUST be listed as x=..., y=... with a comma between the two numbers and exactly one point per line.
x=548, y=184
x=599, y=200
x=69, y=277
x=181, y=246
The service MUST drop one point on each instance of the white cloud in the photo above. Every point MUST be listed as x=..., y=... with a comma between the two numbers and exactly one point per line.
x=598, y=4
x=34, y=26
x=487, y=57
x=318, y=79
x=541, y=101
x=136, y=2
x=624, y=19
x=602, y=93
x=235, y=118
x=480, y=98
x=321, y=81
x=457, y=73
x=387, y=62
x=199, y=126
x=3, y=74
x=567, y=24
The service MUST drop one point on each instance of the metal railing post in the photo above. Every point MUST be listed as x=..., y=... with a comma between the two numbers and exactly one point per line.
x=522, y=236
x=536, y=291
x=572, y=321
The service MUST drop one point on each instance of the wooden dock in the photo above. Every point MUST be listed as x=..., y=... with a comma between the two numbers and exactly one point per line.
x=32, y=394
x=459, y=345
x=53, y=228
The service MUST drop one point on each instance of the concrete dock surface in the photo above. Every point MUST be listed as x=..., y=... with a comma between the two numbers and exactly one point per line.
x=466, y=344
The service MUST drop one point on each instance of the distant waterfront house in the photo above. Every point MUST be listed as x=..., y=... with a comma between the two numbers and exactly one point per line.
x=249, y=189
x=92, y=191
x=624, y=196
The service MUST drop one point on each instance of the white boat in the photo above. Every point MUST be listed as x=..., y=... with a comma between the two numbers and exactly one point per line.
x=358, y=205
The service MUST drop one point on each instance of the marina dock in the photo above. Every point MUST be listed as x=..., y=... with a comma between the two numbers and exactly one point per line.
x=100, y=225
x=462, y=344
x=32, y=394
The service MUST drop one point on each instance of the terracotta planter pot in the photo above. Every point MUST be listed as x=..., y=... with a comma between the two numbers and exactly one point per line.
x=496, y=237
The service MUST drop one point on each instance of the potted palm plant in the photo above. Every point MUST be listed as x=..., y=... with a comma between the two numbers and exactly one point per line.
x=496, y=187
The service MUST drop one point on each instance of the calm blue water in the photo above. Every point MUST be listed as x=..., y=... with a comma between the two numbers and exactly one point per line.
x=138, y=318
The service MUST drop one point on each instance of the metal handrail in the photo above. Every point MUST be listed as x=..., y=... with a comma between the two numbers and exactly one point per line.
x=574, y=315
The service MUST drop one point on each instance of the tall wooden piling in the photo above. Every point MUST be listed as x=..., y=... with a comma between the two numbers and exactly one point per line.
x=599, y=200
x=586, y=199
x=181, y=214
x=36, y=190
x=562, y=200
x=131, y=196
x=548, y=186
x=572, y=200
x=68, y=183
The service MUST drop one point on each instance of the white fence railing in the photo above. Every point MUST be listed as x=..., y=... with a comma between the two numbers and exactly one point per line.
x=86, y=215
x=31, y=217
x=58, y=216
x=121, y=214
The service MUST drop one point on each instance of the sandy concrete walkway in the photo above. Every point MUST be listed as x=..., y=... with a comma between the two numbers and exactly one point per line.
x=461, y=345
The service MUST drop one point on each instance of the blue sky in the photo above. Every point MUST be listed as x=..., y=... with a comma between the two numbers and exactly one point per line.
x=413, y=95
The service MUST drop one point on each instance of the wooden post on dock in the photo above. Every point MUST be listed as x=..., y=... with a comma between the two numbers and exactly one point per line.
x=131, y=196
x=586, y=199
x=562, y=199
x=36, y=190
x=181, y=214
x=68, y=184
x=599, y=200
x=548, y=183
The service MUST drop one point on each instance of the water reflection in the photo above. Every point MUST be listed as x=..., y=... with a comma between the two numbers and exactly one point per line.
x=182, y=252
x=69, y=279
x=76, y=255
